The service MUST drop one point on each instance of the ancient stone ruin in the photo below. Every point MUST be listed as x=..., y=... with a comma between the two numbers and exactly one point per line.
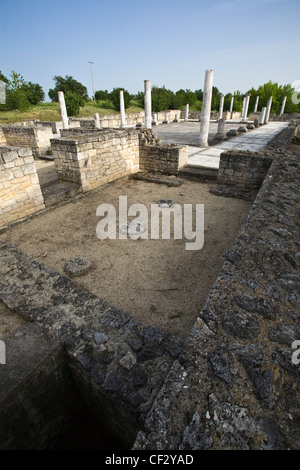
x=77, y=361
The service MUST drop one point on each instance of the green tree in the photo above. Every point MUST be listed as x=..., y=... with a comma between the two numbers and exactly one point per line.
x=101, y=95
x=16, y=95
x=74, y=102
x=67, y=84
x=278, y=92
x=114, y=97
x=34, y=92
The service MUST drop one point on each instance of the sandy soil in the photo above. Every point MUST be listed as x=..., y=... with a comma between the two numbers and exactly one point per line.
x=156, y=281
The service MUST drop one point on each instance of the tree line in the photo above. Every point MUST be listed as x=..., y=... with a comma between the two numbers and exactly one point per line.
x=21, y=95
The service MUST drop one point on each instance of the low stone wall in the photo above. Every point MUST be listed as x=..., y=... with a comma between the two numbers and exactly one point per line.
x=156, y=157
x=234, y=386
x=92, y=160
x=118, y=363
x=114, y=120
x=35, y=138
x=213, y=116
x=20, y=191
x=243, y=169
x=247, y=170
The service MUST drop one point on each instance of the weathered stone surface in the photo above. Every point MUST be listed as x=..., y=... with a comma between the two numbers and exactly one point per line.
x=77, y=266
x=234, y=384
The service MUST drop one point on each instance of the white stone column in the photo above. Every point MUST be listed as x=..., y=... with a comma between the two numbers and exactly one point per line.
x=206, y=108
x=262, y=116
x=186, y=117
x=166, y=121
x=122, y=109
x=63, y=110
x=246, y=107
x=256, y=104
x=147, y=98
x=221, y=107
x=243, y=108
x=231, y=105
x=283, y=106
x=97, y=121
x=154, y=122
x=269, y=105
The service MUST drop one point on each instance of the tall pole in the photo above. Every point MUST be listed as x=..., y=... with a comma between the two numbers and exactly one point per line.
x=92, y=80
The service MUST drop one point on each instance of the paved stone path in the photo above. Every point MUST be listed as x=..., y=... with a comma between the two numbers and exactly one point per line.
x=254, y=140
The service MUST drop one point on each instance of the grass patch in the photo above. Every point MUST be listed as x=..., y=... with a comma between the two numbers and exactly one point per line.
x=51, y=112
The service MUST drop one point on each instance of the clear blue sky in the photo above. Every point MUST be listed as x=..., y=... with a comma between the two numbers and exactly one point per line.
x=170, y=42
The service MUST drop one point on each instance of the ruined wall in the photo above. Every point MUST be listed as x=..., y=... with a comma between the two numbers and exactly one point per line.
x=243, y=169
x=35, y=138
x=98, y=158
x=114, y=120
x=156, y=157
x=235, y=384
x=213, y=116
x=247, y=170
x=118, y=363
x=20, y=191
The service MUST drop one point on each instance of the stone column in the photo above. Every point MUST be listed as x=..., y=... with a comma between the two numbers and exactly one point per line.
x=231, y=105
x=256, y=104
x=154, y=122
x=186, y=112
x=63, y=110
x=243, y=108
x=206, y=108
x=221, y=130
x=147, y=97
x=246, y=107
x=262, y=116
x=283, y=106
x=122, y=109
x=166, y=121
x=269, y=105
x=221, y=107
x=97, y=121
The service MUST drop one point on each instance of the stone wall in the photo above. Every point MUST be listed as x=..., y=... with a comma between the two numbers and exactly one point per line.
x=20, y=192
x=243, y=169
x=114, y=120
x=156, y=157
x=213, y=116
x=35, y=138
x=118, y=363
x=247, y=170
x=92, y=160
x=235, y=385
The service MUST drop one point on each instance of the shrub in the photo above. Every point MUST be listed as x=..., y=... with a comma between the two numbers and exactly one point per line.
x=74, y=102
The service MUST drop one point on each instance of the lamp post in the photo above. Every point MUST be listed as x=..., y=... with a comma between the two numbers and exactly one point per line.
x=92, y=80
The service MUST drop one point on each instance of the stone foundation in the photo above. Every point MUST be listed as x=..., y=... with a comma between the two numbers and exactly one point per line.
x=156, y=157
x=234, y=386
x=20, y=191
x=35, y=138
x=98, y=158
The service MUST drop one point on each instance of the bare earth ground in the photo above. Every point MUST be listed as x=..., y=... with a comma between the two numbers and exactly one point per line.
x=157, y=282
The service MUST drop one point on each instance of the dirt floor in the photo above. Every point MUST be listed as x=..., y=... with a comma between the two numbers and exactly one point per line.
x=155, y=281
